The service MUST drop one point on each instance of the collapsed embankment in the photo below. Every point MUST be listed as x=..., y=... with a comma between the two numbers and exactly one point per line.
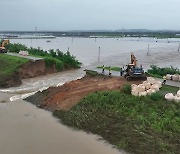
x=29, y=69
x=69, y=94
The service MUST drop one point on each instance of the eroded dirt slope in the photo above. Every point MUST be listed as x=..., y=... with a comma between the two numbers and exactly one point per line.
x=69, y=94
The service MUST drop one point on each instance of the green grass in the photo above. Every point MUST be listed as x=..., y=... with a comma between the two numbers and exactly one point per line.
x=112, y=68
x=159, y=72
x=10, y=64
x=58, y=58
x=136, y=124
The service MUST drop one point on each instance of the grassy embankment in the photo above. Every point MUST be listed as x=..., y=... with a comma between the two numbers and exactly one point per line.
x=10, y=64
x=136, y=124
x=58, y=58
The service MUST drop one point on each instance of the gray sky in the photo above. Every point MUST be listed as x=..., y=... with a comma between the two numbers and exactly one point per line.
x=89, y=14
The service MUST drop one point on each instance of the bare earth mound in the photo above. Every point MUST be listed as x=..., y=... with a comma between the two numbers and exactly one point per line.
x=69, y=94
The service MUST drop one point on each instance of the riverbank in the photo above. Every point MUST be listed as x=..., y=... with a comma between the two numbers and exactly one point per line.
x=135, y=124
x=15, y=67
x=69, y=94
x=9, y=67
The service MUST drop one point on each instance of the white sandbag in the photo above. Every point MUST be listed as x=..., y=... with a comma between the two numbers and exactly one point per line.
x=168, y=76
x=150, y=91
x=177, y=99
x=158, y=83
x=143, y=93
x=24, y=53
x=141, y=88
x=134, y=93
x=133, y=85
x=147, y=86
x=155, y=87
x=175, y=77
x=169, y=97
x=178, y=93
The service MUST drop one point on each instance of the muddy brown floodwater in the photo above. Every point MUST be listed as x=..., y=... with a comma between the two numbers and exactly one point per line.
x=25, y=129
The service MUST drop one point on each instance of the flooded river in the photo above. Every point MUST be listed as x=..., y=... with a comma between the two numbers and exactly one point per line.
x=27, y=129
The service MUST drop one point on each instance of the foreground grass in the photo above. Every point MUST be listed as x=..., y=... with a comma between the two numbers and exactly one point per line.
x=135, y=124
x=10, y=64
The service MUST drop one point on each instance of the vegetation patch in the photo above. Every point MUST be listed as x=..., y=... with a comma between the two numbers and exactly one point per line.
x=58, y=58
x=159, y=72
x=118, y=69
x=136, y=124
x=10, y=64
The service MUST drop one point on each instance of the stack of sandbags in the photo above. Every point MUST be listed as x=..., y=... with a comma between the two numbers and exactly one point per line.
x=175, y=77
x=134, y=90
x=171, y=97
x=146, y=88
x=24, y=53
x=168, y=76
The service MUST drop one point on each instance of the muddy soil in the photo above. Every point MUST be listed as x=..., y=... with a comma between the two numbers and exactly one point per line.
x=69, y=94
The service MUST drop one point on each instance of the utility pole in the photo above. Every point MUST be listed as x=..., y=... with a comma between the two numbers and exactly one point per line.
x=148, y=50
x=179, y=47
x=68, y=49
x=99, y=54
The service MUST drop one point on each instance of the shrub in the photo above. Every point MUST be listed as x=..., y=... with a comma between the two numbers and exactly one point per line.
x=163, y=71
x=60, y=59
x=156, y=97
x=126, y=89
x=49, y=61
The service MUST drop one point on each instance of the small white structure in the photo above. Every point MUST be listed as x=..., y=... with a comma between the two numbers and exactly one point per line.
x=24, y=53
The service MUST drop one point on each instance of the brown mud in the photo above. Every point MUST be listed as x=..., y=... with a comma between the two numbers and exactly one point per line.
x=69, y=94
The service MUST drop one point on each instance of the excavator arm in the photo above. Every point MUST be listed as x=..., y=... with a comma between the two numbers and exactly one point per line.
x=4, y=42
x=133, y=60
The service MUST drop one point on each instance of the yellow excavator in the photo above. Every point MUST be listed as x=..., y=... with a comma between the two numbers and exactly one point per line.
x=133, y=71
x=3, y=43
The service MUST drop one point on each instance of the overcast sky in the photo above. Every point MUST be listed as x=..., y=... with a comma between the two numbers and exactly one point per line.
x=89, y=14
